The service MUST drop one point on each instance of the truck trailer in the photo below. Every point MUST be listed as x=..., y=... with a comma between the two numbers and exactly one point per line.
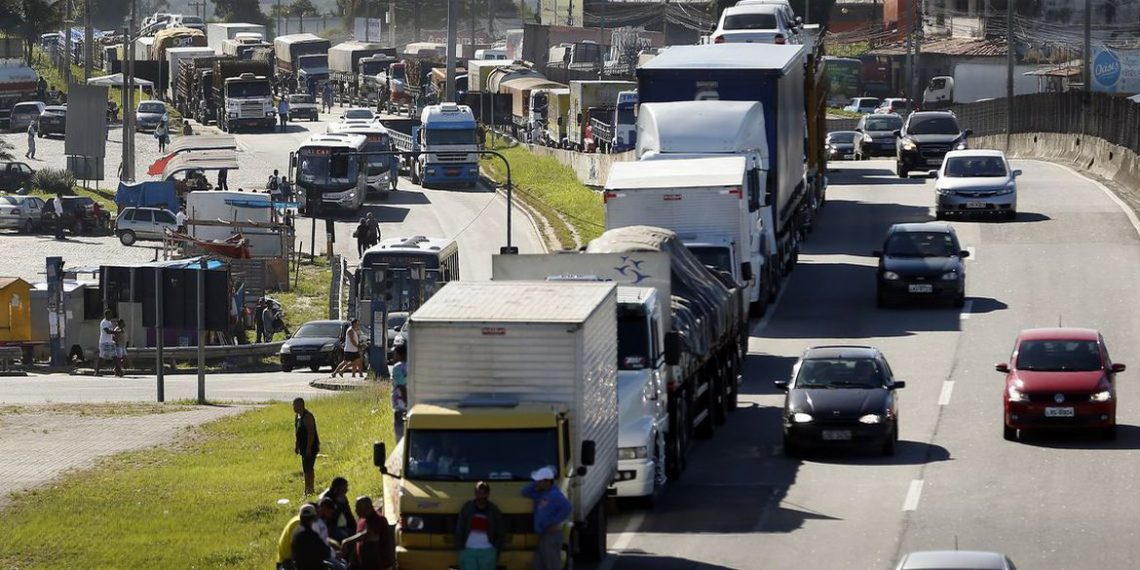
x=586, y=95
x=218, y=33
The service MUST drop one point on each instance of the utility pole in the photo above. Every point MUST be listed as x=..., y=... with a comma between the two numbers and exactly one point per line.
x=452, y=32
x=392, y=24
x=916, y=86
x=1086, y=68
x=279, y=31
x=128, y=165
x=490, y=19
x=367, y=21
x=88, y=41
x=601, y=36
x=67, y=22
x=415, y=20
x=471, y=15
x=1009, y=61
x=909, y=62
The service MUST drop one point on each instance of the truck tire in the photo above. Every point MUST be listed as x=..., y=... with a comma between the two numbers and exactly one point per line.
x=592, y=538
x=677, y=440
x=720, y=397
x=735, y=372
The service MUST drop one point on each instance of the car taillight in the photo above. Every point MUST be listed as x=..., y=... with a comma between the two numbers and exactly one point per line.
x=780, y=39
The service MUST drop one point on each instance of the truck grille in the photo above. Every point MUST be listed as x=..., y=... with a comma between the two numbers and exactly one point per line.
x=251, y=110
x=451, y=156
x=445, y=524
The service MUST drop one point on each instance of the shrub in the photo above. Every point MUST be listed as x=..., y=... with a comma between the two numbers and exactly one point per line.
x=53, y=181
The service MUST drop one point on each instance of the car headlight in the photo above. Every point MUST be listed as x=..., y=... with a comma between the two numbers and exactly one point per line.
x=908, y=144
x=943, y=191
x=328, y=347
x=1102, y=396
x=960, y=146
x=890, y=276
x=871, y=419
x=640, y=452
x=1009, y=188
x=286, y=349
x=950, y=276
x=1016, y=395
x=269, y=113
x=801, y=418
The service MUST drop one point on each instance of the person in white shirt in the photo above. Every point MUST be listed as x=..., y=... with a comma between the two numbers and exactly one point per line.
x=180, y=219
x=58, y=206
x=353, y=344
x=479, y=531
x=108, y=349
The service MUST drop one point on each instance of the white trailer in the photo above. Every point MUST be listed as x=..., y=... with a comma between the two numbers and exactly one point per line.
x=217, y=34
x=143, y=47
x=973, y=82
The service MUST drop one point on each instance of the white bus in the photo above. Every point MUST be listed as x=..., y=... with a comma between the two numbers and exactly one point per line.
x=382, y=170
x=329, y=170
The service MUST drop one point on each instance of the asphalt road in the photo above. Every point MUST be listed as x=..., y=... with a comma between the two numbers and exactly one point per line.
x=1071, y=257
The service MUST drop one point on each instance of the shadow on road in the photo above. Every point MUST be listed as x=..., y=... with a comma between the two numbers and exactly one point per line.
x=763, y=369
x=1022, y=218
x=983, y=305
x=857, y=228
x=400, y=197
x=1127, y=437
x=907, y=453
x=872, y=177
x=636, y=560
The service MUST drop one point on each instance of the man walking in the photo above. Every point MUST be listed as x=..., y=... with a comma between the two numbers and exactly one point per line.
x=283, y=112
x=57, y=205
x=328, y=97
x=479, y=531
x=308, y=442
x=268, y=322
x=223, y=179
x=551, y=508
x=373, y=229
x=33, y=130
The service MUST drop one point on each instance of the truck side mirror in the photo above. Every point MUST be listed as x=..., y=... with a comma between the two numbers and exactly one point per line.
x=746, y=271
x=672, y=348
x=379, y=454
x=589, y=453
x=579, y=119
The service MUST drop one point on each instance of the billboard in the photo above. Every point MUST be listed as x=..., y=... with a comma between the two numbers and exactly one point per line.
x=1116, y=70
x=86, y=133
x=367, y=29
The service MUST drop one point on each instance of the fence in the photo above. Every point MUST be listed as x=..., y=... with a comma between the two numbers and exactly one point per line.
x=1116, y=120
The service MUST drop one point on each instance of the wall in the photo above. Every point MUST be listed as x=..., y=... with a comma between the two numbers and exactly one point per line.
x=592, y=169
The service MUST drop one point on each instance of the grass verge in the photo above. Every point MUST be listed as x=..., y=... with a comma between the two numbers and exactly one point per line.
x=553, y=190
x=842, y=113
x=99, y=410
x=208, y=503
x=309, y=300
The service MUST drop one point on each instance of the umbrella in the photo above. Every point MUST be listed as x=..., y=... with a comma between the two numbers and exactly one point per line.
x=116, y=80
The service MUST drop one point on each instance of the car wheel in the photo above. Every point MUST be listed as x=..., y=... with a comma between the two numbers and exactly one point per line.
x=1109, y=433
x=28, y=228
x=286, y=368
x=1009, y=433
x=127, y=238
x=314, y=367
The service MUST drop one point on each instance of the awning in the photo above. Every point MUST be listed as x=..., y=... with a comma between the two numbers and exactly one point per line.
x=192, y=143
x=116, y=80
x=201, y=160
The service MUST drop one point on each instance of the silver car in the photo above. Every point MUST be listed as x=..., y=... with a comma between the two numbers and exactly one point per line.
x=149, y=114
x=976, y=182
x=24, y=113
x=21, y=213
x=956, y=560
x=134, y=224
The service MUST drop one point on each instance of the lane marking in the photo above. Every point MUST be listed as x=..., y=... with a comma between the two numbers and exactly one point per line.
x=947, y=390
x=622, y=541
x=966, y=308
x=913, y=494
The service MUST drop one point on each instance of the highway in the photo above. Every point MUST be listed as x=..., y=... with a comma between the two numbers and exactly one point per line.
x=1072, y=257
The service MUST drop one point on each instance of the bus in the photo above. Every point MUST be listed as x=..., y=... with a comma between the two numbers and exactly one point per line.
x=382, y=171
x=328, y=173
x=844, y=78
x=406, y=271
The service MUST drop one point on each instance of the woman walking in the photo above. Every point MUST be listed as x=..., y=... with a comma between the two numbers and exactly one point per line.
x=163, y=135
x=33, y=130
x=120, y=347
x=361, y=235
x=352, y=347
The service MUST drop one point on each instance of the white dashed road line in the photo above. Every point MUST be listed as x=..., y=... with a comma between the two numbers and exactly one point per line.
x=913, y=494
x=947, y=391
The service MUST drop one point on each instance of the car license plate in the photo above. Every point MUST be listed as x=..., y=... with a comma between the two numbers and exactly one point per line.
x=1059, y=412
x=303, y=357
x=836, y=435
x=976, y=205
x=849, y=156
x=920, y=288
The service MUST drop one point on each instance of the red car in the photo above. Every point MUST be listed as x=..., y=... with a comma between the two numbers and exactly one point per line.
x=1060, y=379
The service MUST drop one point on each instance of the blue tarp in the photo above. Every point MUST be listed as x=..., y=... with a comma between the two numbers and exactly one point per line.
x=156, y=194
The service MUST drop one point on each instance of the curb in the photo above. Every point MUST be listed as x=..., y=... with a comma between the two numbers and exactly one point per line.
x=342, y=384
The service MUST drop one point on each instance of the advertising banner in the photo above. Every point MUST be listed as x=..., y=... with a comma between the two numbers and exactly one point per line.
x=1116, y=70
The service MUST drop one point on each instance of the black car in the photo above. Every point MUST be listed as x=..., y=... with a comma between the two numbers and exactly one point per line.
x=841, y=396
x=921, y=261
x=840, y=145
x=53, y=121
x=924, y=140
x=876, y=135
x=315, y=344
x=15, y=175
x=81, y=215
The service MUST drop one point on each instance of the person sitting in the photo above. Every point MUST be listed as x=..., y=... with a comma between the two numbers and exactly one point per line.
x=343, y=523
x=327, y=515
x=307, y=549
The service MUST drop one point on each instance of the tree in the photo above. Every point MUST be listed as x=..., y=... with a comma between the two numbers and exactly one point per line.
x=300, y=8
x=31, y=18
x=105, y=14
x=240, y=11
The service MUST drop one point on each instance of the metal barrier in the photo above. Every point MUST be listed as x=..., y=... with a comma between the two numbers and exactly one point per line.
x=213, y=352
x=1113, y=119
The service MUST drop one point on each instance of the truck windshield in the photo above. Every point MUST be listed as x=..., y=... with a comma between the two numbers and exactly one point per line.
x=476, y=455
x=634, y=352
x=713, y=256
x=314, y=61
x=626, y=116
x=249, y=89
x=450, y=136
x=373, y=67
x=325, y=166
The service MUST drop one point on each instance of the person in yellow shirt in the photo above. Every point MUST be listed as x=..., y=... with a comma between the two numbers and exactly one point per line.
x=285, y=544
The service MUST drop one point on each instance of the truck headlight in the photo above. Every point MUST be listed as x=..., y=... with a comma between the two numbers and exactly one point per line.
x=269, y=113
x=801, y=418
x=413, y=522
x=871, y=419
x=286, y=349
x=231, y=114
x=640, y=452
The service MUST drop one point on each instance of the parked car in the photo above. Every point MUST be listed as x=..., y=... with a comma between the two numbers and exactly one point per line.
x=53, y=121
x=81, y=215
x=956, y=560
x=876, y=135
x=863, y=105
x=396, y=321
x=925, y=139
x=1059, y=379
x=921, y=261
x=23, y=213
x=149, y=114
x=896, y=105
x=757, y=23
x=15, y=175
x=302, y=106
x=24, y=113
x=359, y=116
x=841, y=396
x=976, y=182
x=840, y=145
x=135, y=223
x=315, y=344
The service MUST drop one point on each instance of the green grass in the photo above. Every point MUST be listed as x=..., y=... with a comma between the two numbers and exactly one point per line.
x=209, y=503
x=105, y=197
x=549, y=187
x=101, y=410
x=309, y=300
x=837, y=112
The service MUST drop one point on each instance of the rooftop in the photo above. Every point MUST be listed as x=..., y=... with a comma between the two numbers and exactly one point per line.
x=969, y=47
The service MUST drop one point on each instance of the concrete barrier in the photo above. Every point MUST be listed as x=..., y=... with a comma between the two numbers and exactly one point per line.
x=592, y=169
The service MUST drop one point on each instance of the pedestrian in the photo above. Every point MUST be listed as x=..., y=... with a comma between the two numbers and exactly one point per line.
x=33, y=130
x=343, y=525
x=268, y=322
x=326, y=516
x=57, y=205
x=328, y=97
x=479, y=531
x=180, y=219
x=108, y=350
x=361, y=235
x=551, y=508
x=223, y=179
x=120, y=346
x=373, y=229
x=352, y=347
x=309, y=551
x=400, y=388
x=373, y=543
x=308, y=442
x=187, y=129
x=283, y=113
x=41, y=88
x=274, y=181
x=162, y=133
x=258, y=324
x=286, y=189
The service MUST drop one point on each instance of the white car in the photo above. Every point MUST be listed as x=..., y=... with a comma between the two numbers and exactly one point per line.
x=359, y=116
x=134, y=224
x=22, y=213
x=758, y=23
x=976, y=182
x=865, y=105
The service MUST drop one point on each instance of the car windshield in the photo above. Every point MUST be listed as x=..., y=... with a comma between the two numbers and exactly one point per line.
x=898, y=104
x=752, y=21
x=450, y=136
x=319, y=330
x=9, y=201
x=883, y=124
x=1059, y=355
x=826, y=373
x=358, y=114
x=293, y=99
x=865, y=103
x=847, y=137
x=396, y=321
x=152, y=108
x=975, y=167
x=921, y=244
x=476, y=455
x=936, y=125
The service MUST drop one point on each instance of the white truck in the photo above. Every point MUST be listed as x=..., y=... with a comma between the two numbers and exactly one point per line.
x=174, y=57
x=710, y=129
x=973, y=82
x=510, y=377
x=218, y=33
x=642, y=321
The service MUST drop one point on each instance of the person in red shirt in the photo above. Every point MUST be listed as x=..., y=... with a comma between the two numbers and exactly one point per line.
x=479, y=531
x=373, y=545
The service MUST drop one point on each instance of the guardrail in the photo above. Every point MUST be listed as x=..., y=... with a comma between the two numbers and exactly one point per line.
x=229, y=353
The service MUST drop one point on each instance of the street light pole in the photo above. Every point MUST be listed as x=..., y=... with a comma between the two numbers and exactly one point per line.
x=452, y=24
x=1009, y=64
x=88, y=41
